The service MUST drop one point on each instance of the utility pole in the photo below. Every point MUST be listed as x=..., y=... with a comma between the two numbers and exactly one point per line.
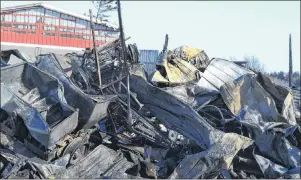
x=124, y=53
x=290, y=71
x=94, y=47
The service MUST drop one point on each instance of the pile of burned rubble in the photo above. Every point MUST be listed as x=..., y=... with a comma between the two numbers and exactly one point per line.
x=192, y=118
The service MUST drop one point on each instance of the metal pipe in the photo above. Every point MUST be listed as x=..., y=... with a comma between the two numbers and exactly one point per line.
x=129, y=115
x=94, y=47
x=290, y=70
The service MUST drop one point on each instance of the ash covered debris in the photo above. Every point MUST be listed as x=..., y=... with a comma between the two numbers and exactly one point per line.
x=192, y=118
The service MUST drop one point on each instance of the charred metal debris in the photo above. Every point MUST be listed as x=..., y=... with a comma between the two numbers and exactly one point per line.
x=192, y=118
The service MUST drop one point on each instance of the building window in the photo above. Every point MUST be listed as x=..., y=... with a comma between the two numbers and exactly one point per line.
x=19, y=32
x=48, y=34
x=26, y=18
x=63, y=29
x=86, y=37
x=79, y=37
x=86, y=31
x=53, y=18
x=57, y=22
x=71, y=21
x=48, y=20
x=5, y=25
x=20, y=26
x=88, y=25
x=66, y=35
x=40, y=11
x=56, y=16
x=33, y=11
x=79, y=31
x=67, y=17
x=32, y=19
x=49, y=28
x=63, y=22
x=80, y=23
x=39, y=19
x=98, y=38
x=48, y=12
x=102, y=33
x=19, y=12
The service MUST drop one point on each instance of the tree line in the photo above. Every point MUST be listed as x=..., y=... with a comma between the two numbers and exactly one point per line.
x=281, y=77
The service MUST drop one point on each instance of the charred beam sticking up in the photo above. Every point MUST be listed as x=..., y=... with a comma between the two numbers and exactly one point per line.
x=165, y=43
x=164, y=51
x=290, y=71
x=94, y=47
x=124, y=53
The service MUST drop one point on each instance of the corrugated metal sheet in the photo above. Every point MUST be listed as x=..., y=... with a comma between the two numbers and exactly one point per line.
x=149, y=59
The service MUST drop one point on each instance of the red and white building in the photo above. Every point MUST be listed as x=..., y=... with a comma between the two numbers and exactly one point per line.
x=41, y=25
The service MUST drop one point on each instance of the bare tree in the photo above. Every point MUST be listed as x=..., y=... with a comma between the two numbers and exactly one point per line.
x=103, y=7
x=278, y=81
x=232, y=58
x=254, y=64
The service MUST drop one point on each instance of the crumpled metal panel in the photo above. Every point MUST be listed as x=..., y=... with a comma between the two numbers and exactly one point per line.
x=174, y=113
x=17, y=78
x=35, y=123
x=91, y=108
x=97, y=163
x=278, y=142
x=6, y=56
x=188, y=96
x=209, y=163
x=220, y=71
x=283, y=98
x=15, y=146
x=246, y=93
x=47, y=169
x=138, y=70
x=174, y=72
x=270, y=169
x=195, y=56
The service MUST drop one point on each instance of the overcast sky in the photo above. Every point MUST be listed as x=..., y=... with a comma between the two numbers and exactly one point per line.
x=222, y=29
